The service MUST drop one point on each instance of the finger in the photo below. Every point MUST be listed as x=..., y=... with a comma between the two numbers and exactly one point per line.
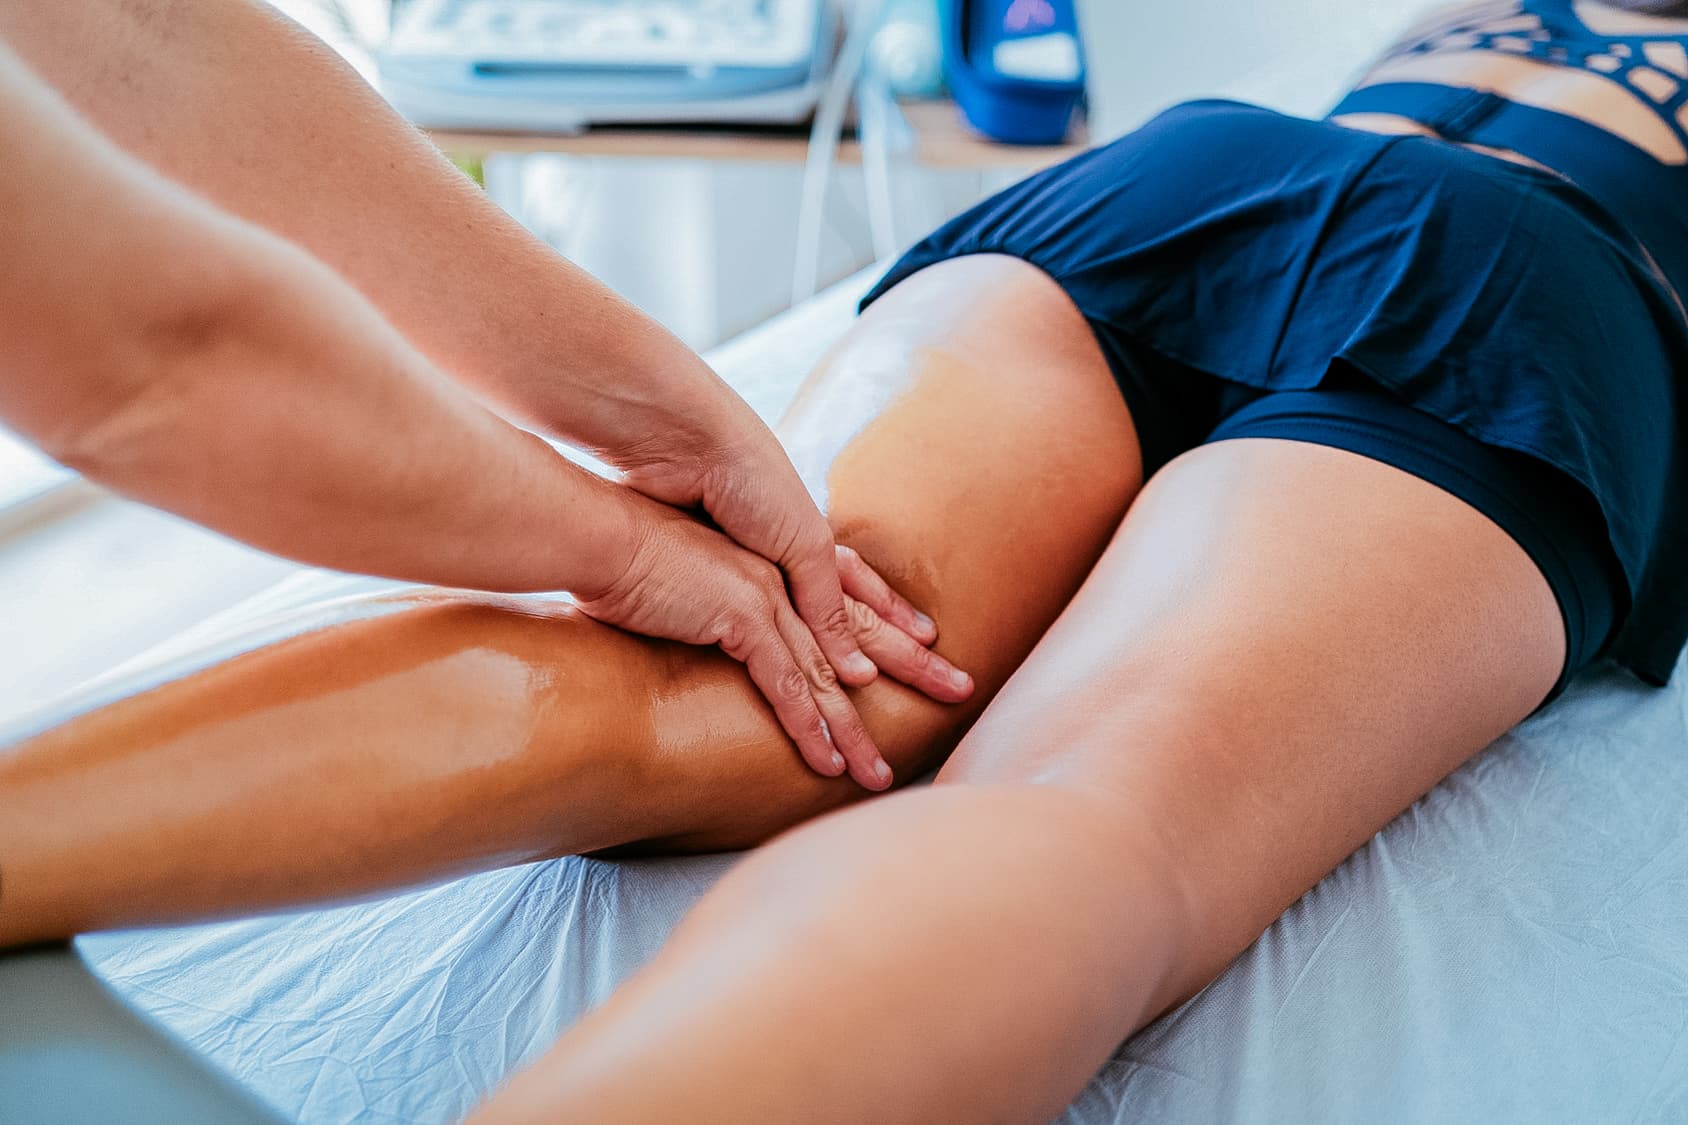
x=849, y=736
x=864, y=584
x=783, y=683
x=818, y=597
x=903, y=658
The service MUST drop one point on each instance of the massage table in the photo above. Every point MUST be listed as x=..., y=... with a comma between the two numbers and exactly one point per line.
x=1513, y=947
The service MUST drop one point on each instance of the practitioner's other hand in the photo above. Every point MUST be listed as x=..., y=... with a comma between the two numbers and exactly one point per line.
x=897, y=636
x=687, y=582
x=723, y=460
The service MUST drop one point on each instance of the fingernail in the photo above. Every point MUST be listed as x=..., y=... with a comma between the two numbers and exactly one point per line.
x=837, y=762
x=857, y=664
x=923, y=623
x=882, y=772
x=960, y=680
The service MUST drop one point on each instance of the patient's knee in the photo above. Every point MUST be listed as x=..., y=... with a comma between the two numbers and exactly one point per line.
x=735, y=793
x=720, y=775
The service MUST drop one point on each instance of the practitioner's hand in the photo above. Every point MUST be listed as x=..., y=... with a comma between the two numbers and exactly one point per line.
x=689, y=583
x=726, y=462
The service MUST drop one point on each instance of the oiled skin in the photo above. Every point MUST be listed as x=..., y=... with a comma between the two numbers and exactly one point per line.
x=1283, y=645
x=978, y=467
x=332, y=766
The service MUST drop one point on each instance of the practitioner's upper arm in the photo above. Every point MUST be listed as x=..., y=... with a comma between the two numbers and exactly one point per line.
x=106, y=268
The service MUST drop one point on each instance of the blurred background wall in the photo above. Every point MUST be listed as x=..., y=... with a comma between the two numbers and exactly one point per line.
x=707, y=248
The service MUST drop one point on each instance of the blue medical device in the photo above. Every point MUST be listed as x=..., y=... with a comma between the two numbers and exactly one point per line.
x=1016, y=67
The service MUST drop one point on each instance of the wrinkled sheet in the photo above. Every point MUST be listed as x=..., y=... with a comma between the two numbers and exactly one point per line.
x=1514, y=947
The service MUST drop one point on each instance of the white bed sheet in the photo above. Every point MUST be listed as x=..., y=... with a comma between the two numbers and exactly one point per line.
x=1514, y=947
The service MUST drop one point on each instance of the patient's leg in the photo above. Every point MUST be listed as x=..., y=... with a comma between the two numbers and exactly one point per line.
x=1284, y=645
x=978, y=465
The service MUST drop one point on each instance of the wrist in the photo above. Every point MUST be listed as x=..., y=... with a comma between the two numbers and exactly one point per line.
x=613, y=526
x=616, y=384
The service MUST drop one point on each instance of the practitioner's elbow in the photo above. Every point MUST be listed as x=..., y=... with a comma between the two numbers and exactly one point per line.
x=140, y=394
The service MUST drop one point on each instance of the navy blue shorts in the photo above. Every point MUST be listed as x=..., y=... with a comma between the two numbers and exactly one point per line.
x=1482, y=325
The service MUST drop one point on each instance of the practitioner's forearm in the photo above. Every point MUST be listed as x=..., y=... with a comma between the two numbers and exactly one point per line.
x=233, y=100
x=299, y=422
x=199, y=363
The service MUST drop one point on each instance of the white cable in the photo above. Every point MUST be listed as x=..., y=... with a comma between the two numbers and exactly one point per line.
x=824, y=138
x=876, y=111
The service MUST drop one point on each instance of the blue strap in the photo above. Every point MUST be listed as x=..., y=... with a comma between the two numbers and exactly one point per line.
x=1452, y=111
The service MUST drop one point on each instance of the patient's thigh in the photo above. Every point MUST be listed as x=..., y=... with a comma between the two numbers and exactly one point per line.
x=967, y=437
x=1284, y=645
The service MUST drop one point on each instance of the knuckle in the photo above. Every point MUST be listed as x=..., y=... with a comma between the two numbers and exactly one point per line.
x=821, y=676
x=837, y=621
x=791, y=686
x=730, y=634
x=785, y=539
x=766, y=577
x=810, y=542
x=922, y=660
x=740, y=634
x=864, y=623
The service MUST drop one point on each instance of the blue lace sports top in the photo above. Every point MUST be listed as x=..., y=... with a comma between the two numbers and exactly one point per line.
x=1647, y=194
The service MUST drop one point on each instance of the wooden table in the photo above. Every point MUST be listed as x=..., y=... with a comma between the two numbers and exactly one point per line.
x=941, y=140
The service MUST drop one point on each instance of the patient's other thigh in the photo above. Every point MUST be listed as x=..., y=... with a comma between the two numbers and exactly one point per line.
x=967, y=437
x=1284, y=645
